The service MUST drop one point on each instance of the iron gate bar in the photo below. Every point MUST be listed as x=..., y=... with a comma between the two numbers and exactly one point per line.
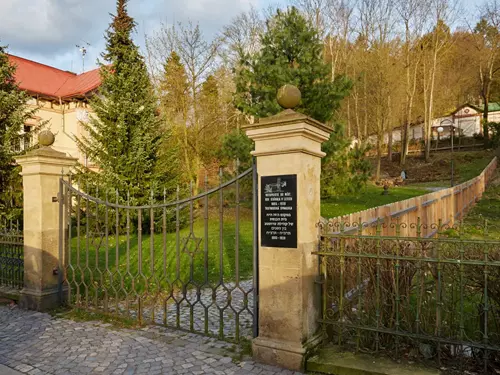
x=221, y=252
x=255, y=195
x=60, y=268
x=237, y=250
x=403, y=238
x=410, y=335
x=394, y=257
x=205, y=253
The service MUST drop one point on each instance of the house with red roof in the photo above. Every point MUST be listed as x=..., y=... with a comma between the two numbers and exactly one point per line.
x=61, y=100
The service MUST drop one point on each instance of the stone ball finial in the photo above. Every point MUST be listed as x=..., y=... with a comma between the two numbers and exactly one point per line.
x=46, y=138
x=289, y=96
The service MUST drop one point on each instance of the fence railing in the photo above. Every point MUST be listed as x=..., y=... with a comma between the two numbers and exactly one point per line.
x=446, y=205
x=421, y=299
x=11, y=255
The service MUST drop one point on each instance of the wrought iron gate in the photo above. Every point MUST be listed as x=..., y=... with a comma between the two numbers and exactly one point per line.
x=189, y=264
x=11, y=255
x=427, y=293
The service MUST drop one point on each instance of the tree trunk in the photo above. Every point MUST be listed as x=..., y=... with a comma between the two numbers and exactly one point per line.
x=485, y=119
x=366, y=106
x=425, y=130
x=356, y=113
x=486, y=79
x=430, y=112
x=334, y=56
x=348, y=118
x=405, y=142
x=405, y=139
x=379, y=159
x=389, y=129
x=410, y=111
x=389, y=146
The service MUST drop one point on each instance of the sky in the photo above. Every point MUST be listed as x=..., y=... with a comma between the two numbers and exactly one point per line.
x=48, y=31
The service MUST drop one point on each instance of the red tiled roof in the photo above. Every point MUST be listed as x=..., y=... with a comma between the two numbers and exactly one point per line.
x=48, y=81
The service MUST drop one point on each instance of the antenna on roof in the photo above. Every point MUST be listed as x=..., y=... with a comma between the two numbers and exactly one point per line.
x=83, y=51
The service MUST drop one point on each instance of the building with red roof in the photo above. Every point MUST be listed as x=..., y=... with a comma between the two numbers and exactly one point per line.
x=51, y=83
x=60, y=99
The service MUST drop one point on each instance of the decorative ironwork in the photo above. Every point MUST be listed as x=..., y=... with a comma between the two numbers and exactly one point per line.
x=191, y=238
x=188, y=264
x=11, y=255
x=435, y=299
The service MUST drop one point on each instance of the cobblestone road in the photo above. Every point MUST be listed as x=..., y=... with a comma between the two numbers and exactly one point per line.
x=37, y=343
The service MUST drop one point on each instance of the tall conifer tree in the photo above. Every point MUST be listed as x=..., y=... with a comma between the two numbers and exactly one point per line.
x=174, y=90
x=124, y=134
x=14, y=112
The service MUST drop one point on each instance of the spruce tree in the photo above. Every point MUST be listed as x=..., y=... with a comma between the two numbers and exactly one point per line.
x=175, y=104
x=124, y=134
x=174, y=90
x=210, y=118
x=291, y=53
x=14, y=112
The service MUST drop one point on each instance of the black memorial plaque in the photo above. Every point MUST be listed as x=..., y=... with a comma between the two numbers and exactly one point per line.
x=278, y=215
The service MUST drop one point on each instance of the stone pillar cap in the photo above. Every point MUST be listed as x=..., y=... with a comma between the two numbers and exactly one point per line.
x=287, y=117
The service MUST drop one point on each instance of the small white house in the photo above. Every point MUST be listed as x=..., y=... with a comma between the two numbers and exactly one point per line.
x=466, y=121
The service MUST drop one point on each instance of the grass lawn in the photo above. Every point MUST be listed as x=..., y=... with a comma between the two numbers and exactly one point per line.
x=162, y=263
x=368, y=198
x=467, y=166
x=470, y=165
x=486, y=213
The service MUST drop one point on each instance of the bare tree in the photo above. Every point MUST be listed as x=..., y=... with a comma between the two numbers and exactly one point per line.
x=333, y=19
x=199, y=59
x=316, y=13
x=435, y=43
x=198, y=55
x=241, y=37
x=487, y=42
x=340, y=15
x=379, y=81
x=413, y=14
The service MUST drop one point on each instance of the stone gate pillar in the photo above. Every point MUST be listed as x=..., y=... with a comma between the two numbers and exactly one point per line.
x=288, y=152
x=41, y=171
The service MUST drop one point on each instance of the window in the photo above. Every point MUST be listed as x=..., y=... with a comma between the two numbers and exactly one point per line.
x=27, y=140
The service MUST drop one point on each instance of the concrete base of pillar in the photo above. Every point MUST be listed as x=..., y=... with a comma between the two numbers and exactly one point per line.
x=290, y=355
x=41, y=300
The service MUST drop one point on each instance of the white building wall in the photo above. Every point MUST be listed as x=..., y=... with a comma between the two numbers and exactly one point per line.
x=467, y=119
x=63, y=121
x=494, y=116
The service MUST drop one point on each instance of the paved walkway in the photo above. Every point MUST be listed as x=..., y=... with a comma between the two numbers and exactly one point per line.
x=36, y=343
x=4, y=370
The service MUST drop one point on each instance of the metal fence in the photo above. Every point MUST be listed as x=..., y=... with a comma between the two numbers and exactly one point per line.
x=11, y=255
x=188, y=263
x=433, y=300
